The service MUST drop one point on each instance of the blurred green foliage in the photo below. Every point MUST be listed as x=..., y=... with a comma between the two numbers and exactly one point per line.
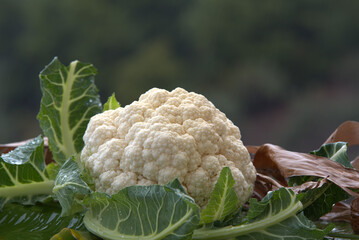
x=286, y=72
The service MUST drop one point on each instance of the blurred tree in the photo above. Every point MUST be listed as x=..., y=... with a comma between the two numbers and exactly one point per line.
x=263, y=63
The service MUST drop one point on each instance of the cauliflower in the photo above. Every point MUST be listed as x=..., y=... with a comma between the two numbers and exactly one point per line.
x=162, y=136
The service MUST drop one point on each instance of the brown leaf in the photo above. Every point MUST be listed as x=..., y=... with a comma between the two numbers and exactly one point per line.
x=340, y=213
x=252, y=149
x=17, y=144
x=263, y=185
x=354, y=207
x=346, y=132
x=355, y=163
x=71, y=234
x=308, y=185
x=281, y=164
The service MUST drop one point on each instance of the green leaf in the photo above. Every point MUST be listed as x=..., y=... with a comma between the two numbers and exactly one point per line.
x=176, y=185
x=71, y=234
x=70, y=188
x=23, y=176
x=223, y=200
x=336, y=152
x=52, y=170
x=68, y=102
x=319, y=201
x=275, y=217
x=275, y=204
x=296, y=227
x=88, y=179
x=41, y=221
x=111, y=103
x=141, y=212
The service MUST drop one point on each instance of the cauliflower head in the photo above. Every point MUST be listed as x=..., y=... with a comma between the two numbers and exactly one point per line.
x=162, y=136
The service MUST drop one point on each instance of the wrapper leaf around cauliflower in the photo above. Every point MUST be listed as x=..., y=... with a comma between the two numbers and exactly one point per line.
x=162, y=136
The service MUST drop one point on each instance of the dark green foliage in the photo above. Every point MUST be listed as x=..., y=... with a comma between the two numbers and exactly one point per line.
x=18, y=222
x=23, y=175
x=274, y=217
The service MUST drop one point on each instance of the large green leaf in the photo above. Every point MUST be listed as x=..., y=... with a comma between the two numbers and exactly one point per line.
x=38, y=222
x=69, y=100
x=275, y=217
x=69, y=187
x=319, y=201
x=223, y=200
x=142, y=212
x=23, y=176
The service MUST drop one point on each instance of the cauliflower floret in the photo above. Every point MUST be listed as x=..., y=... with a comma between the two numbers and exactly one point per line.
x=162, y=136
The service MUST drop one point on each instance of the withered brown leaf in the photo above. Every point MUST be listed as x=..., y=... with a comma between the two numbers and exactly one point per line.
x=346, y=132
x=341, y=213
x=281, y=164
x=354, y=207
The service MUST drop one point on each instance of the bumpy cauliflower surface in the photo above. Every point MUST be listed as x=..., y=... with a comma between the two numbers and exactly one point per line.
x=162, y=136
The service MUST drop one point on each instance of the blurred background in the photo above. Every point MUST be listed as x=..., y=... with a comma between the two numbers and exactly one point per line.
x=285, y=72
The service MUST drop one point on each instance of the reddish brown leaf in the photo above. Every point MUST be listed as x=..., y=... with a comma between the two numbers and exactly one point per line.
x=263, y=185
x=354, y=207
x=355, y=163
x=281, y=164
x=308, y=185
x=252, y=149
x=346, y=132
x=14, y=144
x=340, y=213
x=71, y=234
x=5, y=148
